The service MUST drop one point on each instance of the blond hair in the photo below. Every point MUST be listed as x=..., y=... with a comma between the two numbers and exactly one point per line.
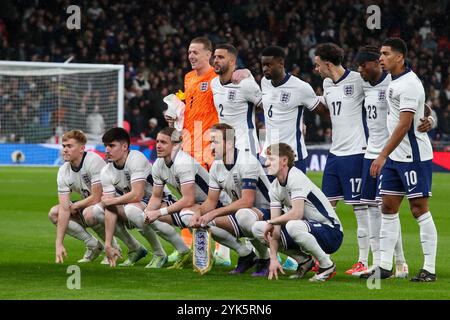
x=77, y=135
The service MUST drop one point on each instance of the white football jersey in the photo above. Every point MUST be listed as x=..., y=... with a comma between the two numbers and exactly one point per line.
x=183, y=170
x=283, y=112
x=345, y=99
x=299, y=186
x=80, y=180
x=246, y=173
x=406, y=93
x=118, y=180
x=376, y=107
x=235, y=104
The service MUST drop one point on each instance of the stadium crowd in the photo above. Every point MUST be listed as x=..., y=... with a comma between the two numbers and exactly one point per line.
x=151, y=38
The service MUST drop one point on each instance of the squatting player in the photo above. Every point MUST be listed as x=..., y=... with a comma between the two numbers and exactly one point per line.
x=301, y=218
x=242, y=177
x=80, y=174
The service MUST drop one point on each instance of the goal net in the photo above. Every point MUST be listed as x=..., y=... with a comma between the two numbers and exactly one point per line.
x=40, y=101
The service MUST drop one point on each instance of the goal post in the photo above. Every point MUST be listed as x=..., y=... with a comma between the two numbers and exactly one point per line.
x=41, y=100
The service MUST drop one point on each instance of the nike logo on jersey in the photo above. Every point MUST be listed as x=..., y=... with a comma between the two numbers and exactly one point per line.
x=356, y=195
x=409, y=190
x=221, y=181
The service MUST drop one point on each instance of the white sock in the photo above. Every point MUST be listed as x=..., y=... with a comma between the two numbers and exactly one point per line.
x=136, y=216
x=99, y=227
x=298, y=231
x=388, y=238
x=224, y=237
x=428, y=238
x=246, y=218
x=398, y=250
x=170, y=234
x=362, y=219
x=100, y=231
x=75, y=230
x=122, y=233
x=374, y=229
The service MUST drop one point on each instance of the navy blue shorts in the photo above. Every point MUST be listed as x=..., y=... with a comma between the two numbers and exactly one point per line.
x=370, y=186
x=342, y=178
x=266, y=213
x=412, y=179
x=237, y=230
x=287, y=241
x=329, y=238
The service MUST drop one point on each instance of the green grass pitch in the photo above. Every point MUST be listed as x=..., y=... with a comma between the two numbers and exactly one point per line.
x=28, y=271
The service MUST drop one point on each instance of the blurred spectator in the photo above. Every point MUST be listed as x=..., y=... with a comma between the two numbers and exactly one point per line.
x=151, y=131
x=95, y=124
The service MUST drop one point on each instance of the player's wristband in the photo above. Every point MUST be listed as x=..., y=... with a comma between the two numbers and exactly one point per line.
x=269, y=222
x=164, y=211
x=430, y=118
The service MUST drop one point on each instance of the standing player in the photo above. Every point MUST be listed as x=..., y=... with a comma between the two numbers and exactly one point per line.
x=344, y=97
x=301, y=218
x=200, y=114
x=81, y=174
x=235, y=103
x=242, y=177
x=284, y=97
x=126, y=182
x=375, y=84
x=376, y=111
x=178, y=171
x=405, y=163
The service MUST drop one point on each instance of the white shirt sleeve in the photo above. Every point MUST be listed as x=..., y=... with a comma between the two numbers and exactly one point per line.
x=409, y=99
x=213, y=181
x=157, y=180
x=249, y=173
x=63, y=188
x=95, y=168
x=251, y=91
x=107, y=183
x=138, y=169
x=185, y=170
x=308, y=96
x=298, y=186
x=274, y=199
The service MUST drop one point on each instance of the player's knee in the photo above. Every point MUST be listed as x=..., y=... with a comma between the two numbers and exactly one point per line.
x=185, y=216
x=98, y=214
x=134, y=214
x=53, y=214
x=88, y=215
x=388, y=208
x=258, y=230
x=246, y=218
x=296, y=226
x=418, y=207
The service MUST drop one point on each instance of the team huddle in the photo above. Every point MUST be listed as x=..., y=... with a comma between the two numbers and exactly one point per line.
x=380, y=152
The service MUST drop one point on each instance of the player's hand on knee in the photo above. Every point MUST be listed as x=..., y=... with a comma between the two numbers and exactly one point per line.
x=151, y=216
x=274, y=267
x=195, y=221
x=60, y=253
x=204, y=220
x=268, y=232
